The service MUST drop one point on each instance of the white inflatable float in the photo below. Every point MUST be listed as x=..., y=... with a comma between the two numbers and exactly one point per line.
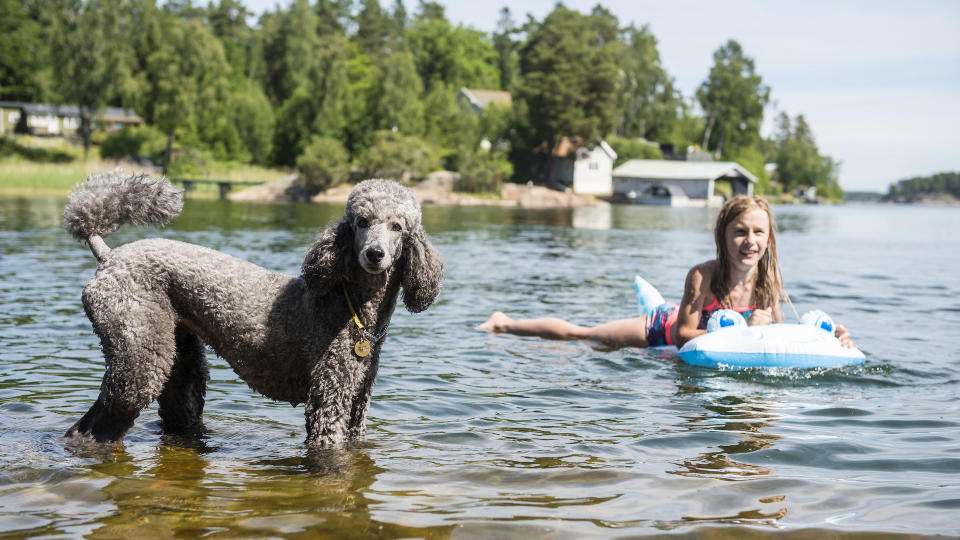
x=730, y=343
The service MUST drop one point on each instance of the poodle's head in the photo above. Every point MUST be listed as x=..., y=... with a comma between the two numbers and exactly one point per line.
x=380, y=229
x=381, y=214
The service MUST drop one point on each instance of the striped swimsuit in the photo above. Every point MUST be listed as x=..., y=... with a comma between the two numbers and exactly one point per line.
x=662, y=319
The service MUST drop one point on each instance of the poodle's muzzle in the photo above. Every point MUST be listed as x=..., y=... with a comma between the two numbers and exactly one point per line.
x=378, y=247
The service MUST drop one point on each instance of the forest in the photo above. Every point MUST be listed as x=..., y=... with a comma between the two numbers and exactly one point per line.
x=924, y=187
x=344, y=89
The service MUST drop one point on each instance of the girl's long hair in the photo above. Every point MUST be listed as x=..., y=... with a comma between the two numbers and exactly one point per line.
x=769, y=285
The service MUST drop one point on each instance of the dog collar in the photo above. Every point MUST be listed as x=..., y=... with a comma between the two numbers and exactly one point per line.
x=361, y=347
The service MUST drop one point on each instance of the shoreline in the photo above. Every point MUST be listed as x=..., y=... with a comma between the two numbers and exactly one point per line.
x=436, y=190
x=512, y=196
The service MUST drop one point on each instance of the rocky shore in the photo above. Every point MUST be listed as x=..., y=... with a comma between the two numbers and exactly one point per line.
x=436, y=189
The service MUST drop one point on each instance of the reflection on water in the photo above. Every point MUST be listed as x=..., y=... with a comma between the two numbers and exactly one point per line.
x=743, y=417
x=473, y=435
x=267, y=497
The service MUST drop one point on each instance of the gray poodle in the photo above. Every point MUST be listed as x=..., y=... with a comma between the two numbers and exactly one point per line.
x=155, y=302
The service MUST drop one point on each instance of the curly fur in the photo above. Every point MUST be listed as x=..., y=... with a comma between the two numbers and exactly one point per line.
x=154, y=303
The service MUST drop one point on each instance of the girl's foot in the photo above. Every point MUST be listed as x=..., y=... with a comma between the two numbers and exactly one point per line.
x=497, y=323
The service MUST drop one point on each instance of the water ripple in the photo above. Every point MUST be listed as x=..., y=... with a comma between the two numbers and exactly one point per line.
x=476, y=435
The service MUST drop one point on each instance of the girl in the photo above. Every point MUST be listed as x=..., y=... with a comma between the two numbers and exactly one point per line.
x=744, y=277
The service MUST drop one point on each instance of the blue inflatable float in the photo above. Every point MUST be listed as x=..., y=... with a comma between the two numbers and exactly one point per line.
x=729, y=343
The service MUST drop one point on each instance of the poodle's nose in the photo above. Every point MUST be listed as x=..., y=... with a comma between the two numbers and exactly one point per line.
x=374, y=254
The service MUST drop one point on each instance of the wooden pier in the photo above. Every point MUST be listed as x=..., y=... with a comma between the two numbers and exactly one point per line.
x=223, y=186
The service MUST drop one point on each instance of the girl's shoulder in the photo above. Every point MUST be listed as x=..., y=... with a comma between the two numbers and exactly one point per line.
x=703, y=272
x=699, y=278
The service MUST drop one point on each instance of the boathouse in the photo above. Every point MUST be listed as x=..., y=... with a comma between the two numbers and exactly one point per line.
x=679, y=183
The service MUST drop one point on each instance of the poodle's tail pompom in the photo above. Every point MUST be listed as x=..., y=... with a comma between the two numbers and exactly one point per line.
x=104, y=202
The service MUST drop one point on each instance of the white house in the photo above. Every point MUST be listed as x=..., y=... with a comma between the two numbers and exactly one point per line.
x=586, y=169
x=679, y=183
x=44, y=119
x=593, y=169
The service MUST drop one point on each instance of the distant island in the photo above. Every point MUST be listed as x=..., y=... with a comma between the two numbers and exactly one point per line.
x=863, y=196
x=940, y=188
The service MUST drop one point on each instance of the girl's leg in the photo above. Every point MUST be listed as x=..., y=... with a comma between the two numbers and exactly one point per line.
x=628, y=332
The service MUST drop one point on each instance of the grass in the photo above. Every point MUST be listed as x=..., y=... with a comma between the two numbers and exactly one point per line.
x=24, y=177
x=51, y=166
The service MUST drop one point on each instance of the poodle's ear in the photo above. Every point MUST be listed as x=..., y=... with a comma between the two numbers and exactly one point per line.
x=328, y=259
x=422, y=272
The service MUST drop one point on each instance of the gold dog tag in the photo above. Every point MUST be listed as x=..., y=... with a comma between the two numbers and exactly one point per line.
x=362, y=348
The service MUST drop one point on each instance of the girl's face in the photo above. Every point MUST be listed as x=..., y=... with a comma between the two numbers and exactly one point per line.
x=746, y=239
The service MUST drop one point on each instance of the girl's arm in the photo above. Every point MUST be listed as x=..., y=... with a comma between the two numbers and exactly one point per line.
x=695, y=289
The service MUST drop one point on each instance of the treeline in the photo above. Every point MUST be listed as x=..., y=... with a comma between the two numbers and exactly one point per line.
x=913, y=189
x=340, y=88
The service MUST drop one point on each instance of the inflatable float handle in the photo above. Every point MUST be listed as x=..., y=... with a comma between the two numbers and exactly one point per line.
x=818, y=319
x=723, y=318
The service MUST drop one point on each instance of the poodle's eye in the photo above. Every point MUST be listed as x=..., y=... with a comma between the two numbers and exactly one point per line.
x=363, y=223
x=396, y=227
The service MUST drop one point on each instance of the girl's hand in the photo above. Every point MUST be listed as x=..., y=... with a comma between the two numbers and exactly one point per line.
x=760, y=317
x=844, y=336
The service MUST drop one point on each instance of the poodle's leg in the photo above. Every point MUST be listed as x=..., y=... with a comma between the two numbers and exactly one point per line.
x=138, y=342
x=182, y=399
x=361, y=402
x=327, y=409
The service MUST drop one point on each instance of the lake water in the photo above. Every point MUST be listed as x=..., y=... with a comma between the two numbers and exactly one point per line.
x=477, y=435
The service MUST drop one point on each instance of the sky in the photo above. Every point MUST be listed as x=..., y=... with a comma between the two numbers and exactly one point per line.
x=878, y=81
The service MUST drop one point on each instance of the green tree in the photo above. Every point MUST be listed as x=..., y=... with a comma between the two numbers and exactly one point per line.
x=913, y=189
x=362, y=86
x=294, y=127
x=398, y=19
x=497, y=125
x=648, y=104
x=454, y=56
x=753, y=160
x=396, y=96
x=628, y=148
x=397, y=156
x=330, y=86
x=427, y=10
x=320, y=105
x=799, y=163
x=290, y=45
x=323, y=164
x=508, y=62
x=138, y=141
x=447, y=125
x=332, y=16
x=190, y=75
x=145, y=33
x=733, y=99
x=374, y=27
x=23, y=56
x=228, y=21
x=240, y=127
x=85, y=39
x=569, y=79
x=483, y=171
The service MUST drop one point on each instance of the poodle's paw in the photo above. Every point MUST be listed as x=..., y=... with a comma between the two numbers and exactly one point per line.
x=85, y=445
x=497, y=323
